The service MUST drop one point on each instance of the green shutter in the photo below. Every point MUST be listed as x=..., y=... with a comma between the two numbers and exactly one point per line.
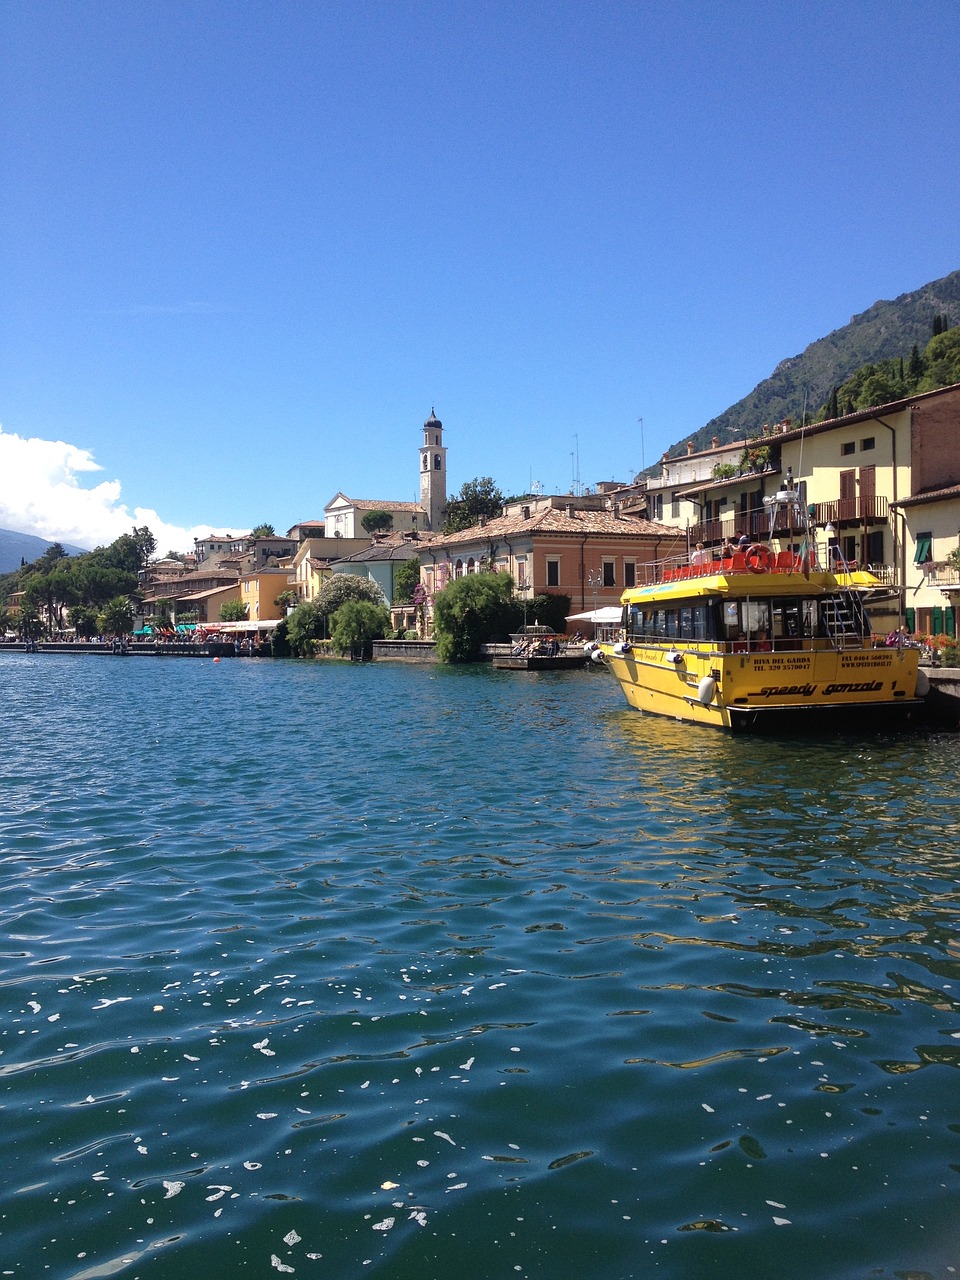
x=936, y=622
x=950, y=620
x=922, y=554
x=911, y=620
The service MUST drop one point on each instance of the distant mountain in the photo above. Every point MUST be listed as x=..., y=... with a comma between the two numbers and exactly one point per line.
x=887, y=329
x=15, y=547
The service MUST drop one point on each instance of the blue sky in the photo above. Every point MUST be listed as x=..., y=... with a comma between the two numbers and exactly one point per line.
x=246, y=247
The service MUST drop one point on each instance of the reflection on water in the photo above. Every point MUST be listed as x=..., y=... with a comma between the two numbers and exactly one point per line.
x=414, y=972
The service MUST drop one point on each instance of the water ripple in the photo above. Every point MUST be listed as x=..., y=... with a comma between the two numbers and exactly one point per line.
x=415, y=972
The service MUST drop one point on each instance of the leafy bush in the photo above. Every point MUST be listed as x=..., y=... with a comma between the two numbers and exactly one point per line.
x=471, y=612
x=341, y=587
x=304, y=628
x=357, y=624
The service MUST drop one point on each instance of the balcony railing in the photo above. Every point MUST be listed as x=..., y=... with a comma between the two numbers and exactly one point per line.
x=755, y=523
x=871, y=509
x=942, y=575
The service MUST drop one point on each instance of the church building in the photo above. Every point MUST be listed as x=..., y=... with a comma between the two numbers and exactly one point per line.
x=342, y=516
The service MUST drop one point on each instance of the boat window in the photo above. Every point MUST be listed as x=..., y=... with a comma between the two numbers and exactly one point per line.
x=754, y=616
x=688, y=621
x=703, y=624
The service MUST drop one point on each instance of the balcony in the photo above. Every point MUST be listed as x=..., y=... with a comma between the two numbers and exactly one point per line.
x=944, y=576
x=871, y=509
x=755, y=523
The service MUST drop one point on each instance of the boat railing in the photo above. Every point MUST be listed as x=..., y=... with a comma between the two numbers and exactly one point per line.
x=678, y=569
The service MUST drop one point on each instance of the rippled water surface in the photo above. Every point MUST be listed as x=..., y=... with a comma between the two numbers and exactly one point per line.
x=339, y=971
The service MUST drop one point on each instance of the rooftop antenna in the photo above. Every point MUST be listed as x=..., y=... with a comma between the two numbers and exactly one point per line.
x=643, y=461
x=576, y=465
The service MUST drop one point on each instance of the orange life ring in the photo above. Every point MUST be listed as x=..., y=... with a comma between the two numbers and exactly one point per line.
x=758, y=558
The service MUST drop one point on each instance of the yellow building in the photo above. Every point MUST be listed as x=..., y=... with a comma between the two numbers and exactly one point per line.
x=931, y=535
x=260, y=590
x=884, y=488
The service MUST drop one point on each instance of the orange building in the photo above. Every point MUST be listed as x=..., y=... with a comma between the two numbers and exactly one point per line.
x=560, y=545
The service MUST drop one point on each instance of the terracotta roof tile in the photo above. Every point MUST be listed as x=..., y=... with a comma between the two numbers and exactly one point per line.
x=555, y=520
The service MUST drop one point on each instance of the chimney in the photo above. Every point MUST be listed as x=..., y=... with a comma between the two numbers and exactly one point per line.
x=569, y=510
x=616, y=511
x=689, y=448
x=715, y=442
x=483, y=521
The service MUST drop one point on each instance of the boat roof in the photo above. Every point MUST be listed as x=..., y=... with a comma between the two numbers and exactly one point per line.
x=755, y=585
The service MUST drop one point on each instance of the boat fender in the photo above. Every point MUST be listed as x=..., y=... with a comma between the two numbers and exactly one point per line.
x=597, y=657
x=923, y=684
x=622, y=647
x=706, y=690
x=590, y=646
x=672, y=655
x=758, y=558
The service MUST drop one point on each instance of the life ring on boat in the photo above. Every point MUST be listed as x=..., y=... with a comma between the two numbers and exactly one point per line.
x=758, y=558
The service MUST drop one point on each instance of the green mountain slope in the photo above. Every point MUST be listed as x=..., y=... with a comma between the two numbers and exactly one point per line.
x=885, y=330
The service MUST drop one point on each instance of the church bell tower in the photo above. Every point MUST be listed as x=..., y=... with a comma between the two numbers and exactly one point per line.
x=433, y=473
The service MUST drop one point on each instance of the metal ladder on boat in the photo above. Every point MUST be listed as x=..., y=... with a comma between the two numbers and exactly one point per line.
x=843, y=618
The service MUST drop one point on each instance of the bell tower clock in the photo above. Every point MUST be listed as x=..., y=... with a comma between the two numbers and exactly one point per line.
x=433, y=473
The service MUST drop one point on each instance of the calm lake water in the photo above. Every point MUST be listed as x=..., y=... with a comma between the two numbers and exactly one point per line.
x=414, y=973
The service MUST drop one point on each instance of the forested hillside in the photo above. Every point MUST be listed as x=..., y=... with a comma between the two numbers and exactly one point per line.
x=885, y=332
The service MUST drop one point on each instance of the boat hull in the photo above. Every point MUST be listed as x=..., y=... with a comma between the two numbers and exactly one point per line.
x=754, y=692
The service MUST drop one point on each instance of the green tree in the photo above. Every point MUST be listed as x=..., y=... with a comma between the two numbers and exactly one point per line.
x=341, y=587
x=357, y=624
x=131, y=551
x=54, y=553
x=405, y=581
x=83, y=619
x=264, y=531
x=304, y=627
x=471, y=612
x=29, y=623
x=375, y=521
x=96, y=583
x=551, y=608
x=942, y=361
x=478, y=497
x=164, y=613
x=233, y=611
x=286, y=600
x=117, y=617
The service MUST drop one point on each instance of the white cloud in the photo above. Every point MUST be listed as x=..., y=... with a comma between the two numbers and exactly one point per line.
x=41, y=493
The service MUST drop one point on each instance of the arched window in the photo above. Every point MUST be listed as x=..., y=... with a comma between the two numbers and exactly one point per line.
x=436, y=462
x=426, y=462
x=471, y=567
x=458, y=569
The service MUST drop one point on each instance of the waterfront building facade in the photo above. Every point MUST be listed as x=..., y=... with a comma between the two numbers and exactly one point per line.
x=562, y=545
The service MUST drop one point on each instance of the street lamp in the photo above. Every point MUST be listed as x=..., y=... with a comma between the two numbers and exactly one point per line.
x=595, y=581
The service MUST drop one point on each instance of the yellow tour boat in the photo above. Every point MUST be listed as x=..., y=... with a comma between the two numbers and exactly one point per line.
x=763, y=638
